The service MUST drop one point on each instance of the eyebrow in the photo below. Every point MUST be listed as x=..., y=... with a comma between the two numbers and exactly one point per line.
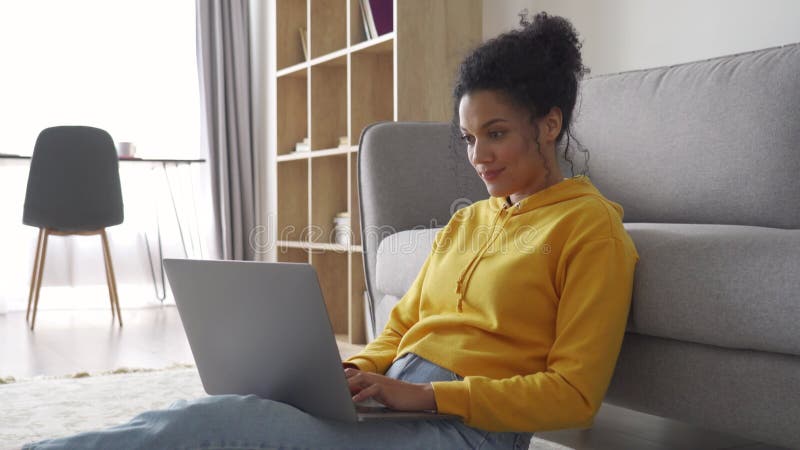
x=488, y=123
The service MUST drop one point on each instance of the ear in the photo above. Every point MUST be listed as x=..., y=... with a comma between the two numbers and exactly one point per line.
x=551, y=124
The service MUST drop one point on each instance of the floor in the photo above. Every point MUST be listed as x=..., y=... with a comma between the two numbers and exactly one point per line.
x=68, y=342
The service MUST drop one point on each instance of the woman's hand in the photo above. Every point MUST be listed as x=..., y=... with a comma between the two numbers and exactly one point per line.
x=395, y=394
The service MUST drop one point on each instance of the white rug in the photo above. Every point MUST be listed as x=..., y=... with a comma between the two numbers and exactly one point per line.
x=44, y=408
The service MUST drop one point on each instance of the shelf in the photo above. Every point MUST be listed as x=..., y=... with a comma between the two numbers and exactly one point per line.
x=297, y=70
x=318, y=153
x=344, y=84
x=337, y=58
x=381, y=44
x=305, y=245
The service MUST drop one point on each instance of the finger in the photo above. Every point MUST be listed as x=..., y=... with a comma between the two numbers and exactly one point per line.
x=373, y=391
x=357, y=382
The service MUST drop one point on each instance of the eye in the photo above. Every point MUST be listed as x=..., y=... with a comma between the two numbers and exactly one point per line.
x=468, y=138
x=496, y=134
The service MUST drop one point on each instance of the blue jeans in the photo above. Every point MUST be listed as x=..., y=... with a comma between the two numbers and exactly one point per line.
x=249, y=422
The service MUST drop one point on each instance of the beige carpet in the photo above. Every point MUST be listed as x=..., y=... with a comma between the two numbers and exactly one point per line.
x=42, y=408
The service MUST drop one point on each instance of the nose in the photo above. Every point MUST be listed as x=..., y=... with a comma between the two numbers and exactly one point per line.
x=480, y=153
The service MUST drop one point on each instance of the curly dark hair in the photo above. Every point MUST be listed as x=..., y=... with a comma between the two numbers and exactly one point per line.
x=536, y=67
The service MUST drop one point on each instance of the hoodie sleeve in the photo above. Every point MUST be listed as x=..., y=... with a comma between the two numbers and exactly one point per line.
x=381, y=352
x=590, y=323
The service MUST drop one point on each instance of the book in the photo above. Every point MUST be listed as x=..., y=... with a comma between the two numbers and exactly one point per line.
x=382, y=16
x=304, y=41
x=369, y=24
x=304, y=146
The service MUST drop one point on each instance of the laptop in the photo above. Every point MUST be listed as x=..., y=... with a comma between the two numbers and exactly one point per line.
x=263, y=328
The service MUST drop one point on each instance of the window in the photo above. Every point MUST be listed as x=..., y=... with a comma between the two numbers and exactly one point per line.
x=127, y=66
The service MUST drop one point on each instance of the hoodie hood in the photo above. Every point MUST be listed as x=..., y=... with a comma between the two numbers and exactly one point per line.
x=569, y=188
x=504, y=210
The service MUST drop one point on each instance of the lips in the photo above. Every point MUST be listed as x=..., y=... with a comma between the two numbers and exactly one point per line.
x=490, y=175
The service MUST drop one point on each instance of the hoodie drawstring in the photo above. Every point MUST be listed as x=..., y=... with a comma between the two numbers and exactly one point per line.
x=466, y=274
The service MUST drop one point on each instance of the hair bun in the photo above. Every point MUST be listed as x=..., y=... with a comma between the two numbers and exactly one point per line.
x=558, y=38
x=537, y=66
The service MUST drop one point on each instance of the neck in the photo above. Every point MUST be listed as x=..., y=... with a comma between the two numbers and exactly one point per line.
x=554, y=178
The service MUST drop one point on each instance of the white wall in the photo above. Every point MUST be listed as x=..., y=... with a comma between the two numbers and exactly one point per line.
x=621, y=35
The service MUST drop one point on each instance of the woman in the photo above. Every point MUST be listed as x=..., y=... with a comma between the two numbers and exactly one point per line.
x=516, y=319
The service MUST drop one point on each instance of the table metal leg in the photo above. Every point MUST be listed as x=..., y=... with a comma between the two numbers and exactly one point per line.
x=163, y=294
x=175, y=209
x=193, y=232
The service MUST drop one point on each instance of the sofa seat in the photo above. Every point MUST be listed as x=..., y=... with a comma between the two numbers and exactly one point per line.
x=727, y=283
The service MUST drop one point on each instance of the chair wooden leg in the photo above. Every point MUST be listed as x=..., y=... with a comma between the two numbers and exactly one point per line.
x=112, y=282
x=108, y=280
x=39, y=278
x=35, y=272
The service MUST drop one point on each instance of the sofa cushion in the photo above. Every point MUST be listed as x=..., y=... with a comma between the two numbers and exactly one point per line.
x=383, y=308
x=712, y=141
x=725, y=285
x=400, y=256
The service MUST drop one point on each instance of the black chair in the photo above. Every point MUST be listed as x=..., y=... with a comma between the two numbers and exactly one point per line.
x=73, y=189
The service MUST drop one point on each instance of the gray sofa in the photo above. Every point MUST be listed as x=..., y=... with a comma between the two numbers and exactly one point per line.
x=705, y=159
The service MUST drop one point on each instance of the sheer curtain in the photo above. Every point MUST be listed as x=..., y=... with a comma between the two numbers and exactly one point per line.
x=129, y=67
x=225, y=69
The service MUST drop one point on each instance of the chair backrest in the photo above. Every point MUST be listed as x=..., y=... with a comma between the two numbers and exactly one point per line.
x=73, y=183
x=411, y=175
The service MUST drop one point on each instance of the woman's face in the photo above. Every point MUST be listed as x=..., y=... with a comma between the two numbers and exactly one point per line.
x=501, y=143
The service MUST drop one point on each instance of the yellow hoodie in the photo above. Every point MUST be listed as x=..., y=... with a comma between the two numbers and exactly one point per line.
x=528, y=302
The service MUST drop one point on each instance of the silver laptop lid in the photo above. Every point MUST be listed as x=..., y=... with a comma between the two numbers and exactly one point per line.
x=261, y=328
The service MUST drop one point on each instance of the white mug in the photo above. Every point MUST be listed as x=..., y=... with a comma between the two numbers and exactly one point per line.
x=126, y=149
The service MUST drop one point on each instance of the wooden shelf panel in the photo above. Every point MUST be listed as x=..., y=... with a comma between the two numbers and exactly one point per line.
x=426, y=72
x=372, y=90
x=292, y=254
x=292, y=200
x=328, y=196
x=355, y=210
x=328, y=105
x=328, y=26
x=293, y=16
x=332, y=270
x=292, y=117
x=357, y=328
